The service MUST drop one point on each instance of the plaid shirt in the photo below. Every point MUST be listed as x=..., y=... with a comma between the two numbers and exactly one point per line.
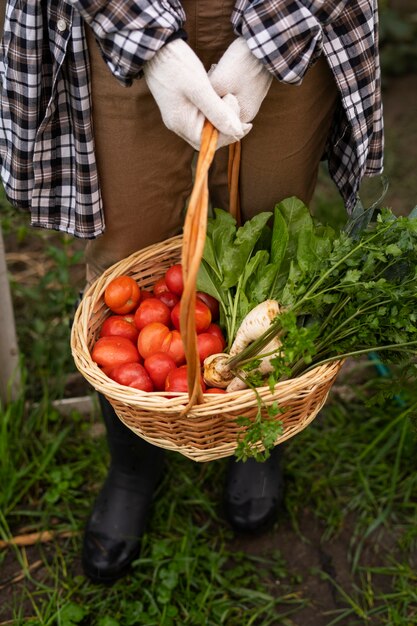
x=46, y=140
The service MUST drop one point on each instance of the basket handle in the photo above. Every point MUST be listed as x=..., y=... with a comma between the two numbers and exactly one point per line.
x=195, y=226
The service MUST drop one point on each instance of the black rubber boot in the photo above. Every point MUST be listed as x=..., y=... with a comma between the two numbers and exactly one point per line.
x=114, y=530
x=254, y=492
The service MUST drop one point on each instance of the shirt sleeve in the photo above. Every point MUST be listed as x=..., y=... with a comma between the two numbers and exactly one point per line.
x=130, y=32
x=286, y=35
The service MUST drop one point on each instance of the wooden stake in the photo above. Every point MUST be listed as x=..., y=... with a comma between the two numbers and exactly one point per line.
x=9, y=351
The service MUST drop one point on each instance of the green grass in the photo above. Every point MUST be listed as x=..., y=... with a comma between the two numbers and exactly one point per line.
x=354, y=470
x=43, y=302
x=186, y=571
x=350, y=502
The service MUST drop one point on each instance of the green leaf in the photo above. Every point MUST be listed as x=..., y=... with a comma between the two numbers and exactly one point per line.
x=260, y=286
x=288, y=296
x=279, y=241
x=351, y=276
x=209, y=256
x=291, y=218
x=243, y=308
x=237, y=255
x=262, y=430
x=108, y=621
x=313, y=249
x=207, y=282
x=298, y=219
x=393, y=250
x=252, y=269
x=222, y=231
x=71, y=614
x=265, y=239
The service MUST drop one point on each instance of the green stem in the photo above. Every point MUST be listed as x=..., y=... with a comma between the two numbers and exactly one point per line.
x=336, y=331
x=338, y=357
x=230, y=320
x=338, y=263
x=336, y=308
x=236, y=301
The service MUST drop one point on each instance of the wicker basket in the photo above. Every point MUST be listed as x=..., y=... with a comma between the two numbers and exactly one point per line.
x=200, y=426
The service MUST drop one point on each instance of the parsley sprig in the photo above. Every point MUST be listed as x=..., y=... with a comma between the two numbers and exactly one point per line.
x=361, y=298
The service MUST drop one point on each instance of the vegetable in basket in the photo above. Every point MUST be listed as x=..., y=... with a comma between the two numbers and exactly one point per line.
x=257, y=321
x=336, y=295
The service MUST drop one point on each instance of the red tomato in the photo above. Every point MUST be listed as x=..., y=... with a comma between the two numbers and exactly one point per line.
x=169, y=298
x=122, y=294
x=151, y=338
x=132, y=375
x=174, y=279
x=158, y=366
x=174, y=347
x=156, y=337
x=215, y=390
x=202, y=316
x=119, y=326
x=160, y=286
x=214, y=329
x=145, y=294
x=177, y=380
x=211, y=302
x=208, y=344
x=175, y=316
x=114, y=351
x=152, y=310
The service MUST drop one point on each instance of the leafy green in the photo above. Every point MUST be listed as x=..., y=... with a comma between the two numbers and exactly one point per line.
x=233, y=263
x=237, y=255
x=360, y=297
x=343, y=294
x=244, y=266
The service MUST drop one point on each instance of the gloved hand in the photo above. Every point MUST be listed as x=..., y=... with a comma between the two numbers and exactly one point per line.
x=183, y=92
x=240, y=73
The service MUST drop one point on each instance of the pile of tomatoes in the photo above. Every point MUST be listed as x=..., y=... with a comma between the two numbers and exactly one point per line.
x=140, y=344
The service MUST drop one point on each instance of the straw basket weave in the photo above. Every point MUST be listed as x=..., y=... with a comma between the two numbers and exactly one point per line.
x=200, y=426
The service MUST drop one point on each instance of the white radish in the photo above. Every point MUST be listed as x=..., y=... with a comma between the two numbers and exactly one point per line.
x=254, y=325
x=256, y=322
x=265, y=367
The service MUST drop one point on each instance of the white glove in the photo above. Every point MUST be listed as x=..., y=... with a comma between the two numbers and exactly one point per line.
x=183, y=92
x=240, y=73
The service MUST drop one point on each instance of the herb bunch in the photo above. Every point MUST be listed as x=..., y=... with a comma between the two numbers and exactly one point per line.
x=342, y=294
x=361, y=297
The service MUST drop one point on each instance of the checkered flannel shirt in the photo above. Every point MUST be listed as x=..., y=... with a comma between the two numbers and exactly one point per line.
x=47, y=156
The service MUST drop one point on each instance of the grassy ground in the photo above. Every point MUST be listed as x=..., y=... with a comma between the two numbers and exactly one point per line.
x=343, y=551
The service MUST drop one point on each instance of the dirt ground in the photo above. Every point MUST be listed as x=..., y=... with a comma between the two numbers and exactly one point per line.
x=400, y=108
x=311, y=556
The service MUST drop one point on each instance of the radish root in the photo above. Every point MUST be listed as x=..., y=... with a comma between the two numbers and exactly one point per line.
x=216, y=371
x=256, y=322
